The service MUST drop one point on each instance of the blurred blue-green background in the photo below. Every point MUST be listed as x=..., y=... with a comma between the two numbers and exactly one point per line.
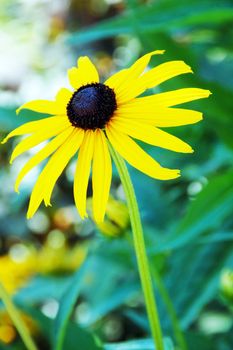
x=71, y=277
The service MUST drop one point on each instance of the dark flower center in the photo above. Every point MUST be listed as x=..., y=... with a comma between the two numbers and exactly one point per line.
x=91, y=106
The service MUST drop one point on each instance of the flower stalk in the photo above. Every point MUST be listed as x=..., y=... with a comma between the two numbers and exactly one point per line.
x=140, y=250
x=17, y=320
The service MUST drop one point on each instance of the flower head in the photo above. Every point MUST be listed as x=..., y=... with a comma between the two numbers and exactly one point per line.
x=85, y=119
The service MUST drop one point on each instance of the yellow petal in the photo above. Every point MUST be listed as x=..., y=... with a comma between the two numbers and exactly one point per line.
x=45, y=152
x=163, y=72
x=101, y=176
x=86, y=73
x=151, y=135
x=135, y=156
x=61, y=159
x=42, y=135
x=88, y=70
x=42, y=106
x=172, y=98
x=138, y=67
x=74, y=78
x=83, y=171
x=125, y=83
x=162, y=117
x=115, y=81
x=31, y=127
x=53, y=169
x=132, y=89
x=63, y=97
x=57, y=107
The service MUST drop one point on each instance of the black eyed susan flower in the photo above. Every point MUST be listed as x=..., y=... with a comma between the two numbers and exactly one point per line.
x=84, y=118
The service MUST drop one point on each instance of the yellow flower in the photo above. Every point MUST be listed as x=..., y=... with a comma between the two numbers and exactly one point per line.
x=53, y=258
x=60, y=259
x=92, y=113
x=15, y=274
x=116, y=220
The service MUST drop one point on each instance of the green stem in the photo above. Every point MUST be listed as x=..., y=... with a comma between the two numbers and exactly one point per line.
x=16, y=319
x=168, y=304
x=140, y=249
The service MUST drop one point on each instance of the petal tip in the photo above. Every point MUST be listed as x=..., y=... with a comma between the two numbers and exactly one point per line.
x=69, y=71
x=174, y=174
x=29, y=216
x=159, y=52
x=83, y=215
x=99, y=219
x=206, y=93
x=81, y=59
x=187, y=68
x=4, y=140
x=16, y=188
x=189, y=149
x=12, y=158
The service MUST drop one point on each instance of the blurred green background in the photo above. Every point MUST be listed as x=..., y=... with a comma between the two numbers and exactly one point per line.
x=76, y=284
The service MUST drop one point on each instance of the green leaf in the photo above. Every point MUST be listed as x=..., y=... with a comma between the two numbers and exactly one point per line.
x=199, y=341
x=67, y=303
x=211, y=206
x=207, y=289
x=75, y=336
x=110, y=262
x=193, y=277
x=9, y=120
x=79, y=338
x=157, y=17
x=44, y=287
x=140, y=344
x=112, y=301
x=216, y=237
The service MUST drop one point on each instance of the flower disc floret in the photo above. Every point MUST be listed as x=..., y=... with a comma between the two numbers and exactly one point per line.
x=91, y=106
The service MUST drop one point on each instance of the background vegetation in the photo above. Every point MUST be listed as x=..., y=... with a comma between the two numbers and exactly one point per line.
x=78, y=283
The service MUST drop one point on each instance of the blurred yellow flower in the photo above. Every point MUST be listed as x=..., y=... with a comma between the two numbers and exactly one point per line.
x=59, y=258
x=18, y=267
x=54, y=257
x=92, y=113
x=116, y=220
x=15, y=274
